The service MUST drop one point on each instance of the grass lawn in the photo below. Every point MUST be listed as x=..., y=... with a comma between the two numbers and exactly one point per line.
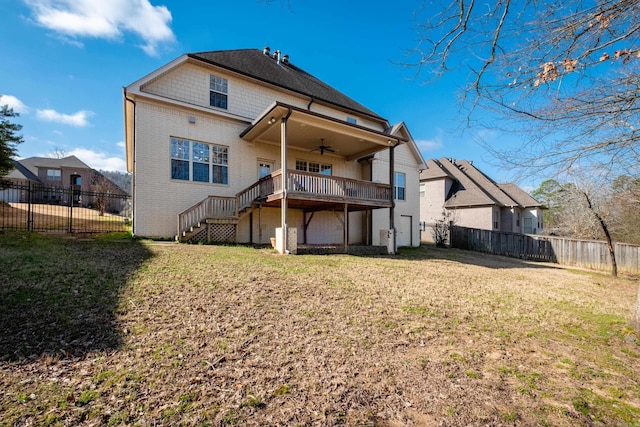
x=110, y=332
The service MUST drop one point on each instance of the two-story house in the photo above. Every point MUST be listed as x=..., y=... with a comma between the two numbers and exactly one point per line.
x=244, y=146
x=471, y=199
x=52, y=178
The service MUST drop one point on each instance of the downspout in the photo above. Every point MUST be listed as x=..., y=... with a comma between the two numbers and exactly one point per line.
x=133, y=153
x=309, y=105
x=283, y=162
x=392, y=226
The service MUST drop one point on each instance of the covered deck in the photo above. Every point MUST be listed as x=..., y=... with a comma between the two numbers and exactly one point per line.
x=292, y=127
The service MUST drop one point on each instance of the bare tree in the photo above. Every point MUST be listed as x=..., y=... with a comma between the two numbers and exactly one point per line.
x=58, y=153
x=100, y=186
x=624, y=207
x=566, y=74
x=580, y=209
x=441, y=229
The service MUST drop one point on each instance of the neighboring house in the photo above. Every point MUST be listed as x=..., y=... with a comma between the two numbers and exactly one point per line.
x=472, y=199
x=244, y=146
x=51, y=178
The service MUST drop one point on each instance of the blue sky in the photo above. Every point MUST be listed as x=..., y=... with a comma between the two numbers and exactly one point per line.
x=64, y=63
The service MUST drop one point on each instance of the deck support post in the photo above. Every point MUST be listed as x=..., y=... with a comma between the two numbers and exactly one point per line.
x=345, y=228
x=283, y=249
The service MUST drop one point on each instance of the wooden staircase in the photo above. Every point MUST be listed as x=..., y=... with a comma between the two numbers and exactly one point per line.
x=215, y=218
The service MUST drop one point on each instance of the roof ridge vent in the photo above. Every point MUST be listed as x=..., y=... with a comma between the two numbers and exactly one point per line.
x=276, y=56
x=266, y=50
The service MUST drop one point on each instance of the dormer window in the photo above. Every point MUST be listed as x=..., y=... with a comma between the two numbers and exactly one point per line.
x=218, y=91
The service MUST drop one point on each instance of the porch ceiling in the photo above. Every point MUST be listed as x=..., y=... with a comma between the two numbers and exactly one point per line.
x=307, y=130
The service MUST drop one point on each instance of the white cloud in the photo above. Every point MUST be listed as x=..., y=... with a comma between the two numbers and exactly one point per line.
x=13, y=102
x=106, y=19
x=429, y=144
x=120, y=144
x=99, y=160
x=79, y=119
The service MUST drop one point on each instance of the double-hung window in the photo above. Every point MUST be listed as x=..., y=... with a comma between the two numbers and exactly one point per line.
x=199, y=162
x=180, y=159
x=54, y=175
x=218, y=91
x=220, y=164
x=399, y=186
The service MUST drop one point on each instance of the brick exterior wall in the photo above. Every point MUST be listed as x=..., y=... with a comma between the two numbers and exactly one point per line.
x=158, y=199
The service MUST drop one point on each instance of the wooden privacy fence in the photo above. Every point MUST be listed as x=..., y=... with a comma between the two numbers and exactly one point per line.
x=591, y=254
x=33, y=207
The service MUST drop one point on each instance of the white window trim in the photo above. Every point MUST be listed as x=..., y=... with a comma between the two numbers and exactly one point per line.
x=214, y=90
x=326, y=166
x=190, y=161
x=396, y=187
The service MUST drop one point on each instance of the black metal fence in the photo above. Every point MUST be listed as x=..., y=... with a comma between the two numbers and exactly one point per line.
x=33, y=207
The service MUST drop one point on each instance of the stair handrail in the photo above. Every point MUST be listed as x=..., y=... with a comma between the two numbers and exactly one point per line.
x=210, y=207
x=258, y=190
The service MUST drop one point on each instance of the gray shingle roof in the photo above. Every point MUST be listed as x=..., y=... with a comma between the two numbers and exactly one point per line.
x=486, y=183
x=466, y=192
x=434, y=170
x=255, y=64
x=33, y=163
x=519, y=195
x=471, y=187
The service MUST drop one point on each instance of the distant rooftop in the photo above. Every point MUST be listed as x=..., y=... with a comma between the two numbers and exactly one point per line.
x=471, y=187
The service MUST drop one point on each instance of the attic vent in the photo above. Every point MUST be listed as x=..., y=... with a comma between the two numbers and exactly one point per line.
x=277, y=55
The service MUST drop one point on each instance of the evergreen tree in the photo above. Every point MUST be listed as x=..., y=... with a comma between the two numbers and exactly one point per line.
x=9, y=139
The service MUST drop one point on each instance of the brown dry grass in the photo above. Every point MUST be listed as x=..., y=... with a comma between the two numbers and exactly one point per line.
x=206, y=335
x=56, y=218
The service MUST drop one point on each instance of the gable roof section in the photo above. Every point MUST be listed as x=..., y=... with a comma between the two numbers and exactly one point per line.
x=33, y=163
x=519, y=195
x=21, y=172
x=471, y=187
x=468, y=192
x=434, y=170
x=257, y=65
x=486, y=183
x=402, y=130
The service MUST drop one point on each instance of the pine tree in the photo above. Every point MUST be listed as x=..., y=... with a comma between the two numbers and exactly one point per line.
x=9, y=139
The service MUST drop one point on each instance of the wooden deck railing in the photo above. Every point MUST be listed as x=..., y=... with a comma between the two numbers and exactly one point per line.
x=333, y=186
x=301, y=184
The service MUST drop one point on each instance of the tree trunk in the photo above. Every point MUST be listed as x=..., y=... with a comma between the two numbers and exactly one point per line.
x=605, y=229
x=635, y=320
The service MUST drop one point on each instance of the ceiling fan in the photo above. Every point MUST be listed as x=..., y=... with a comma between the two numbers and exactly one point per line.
x=322, y=148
